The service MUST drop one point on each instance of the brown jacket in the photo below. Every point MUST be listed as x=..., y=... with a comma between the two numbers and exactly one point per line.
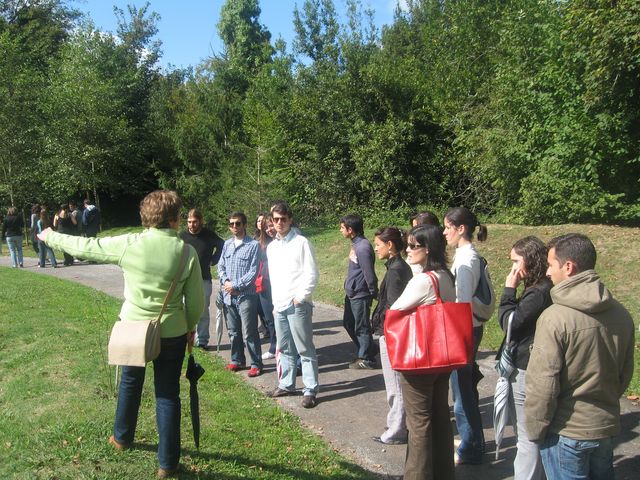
x=581, y=362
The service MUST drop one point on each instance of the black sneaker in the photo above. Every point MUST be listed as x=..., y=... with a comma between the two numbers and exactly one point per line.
x=309, y=401
x=280, y=392
x=362, y=364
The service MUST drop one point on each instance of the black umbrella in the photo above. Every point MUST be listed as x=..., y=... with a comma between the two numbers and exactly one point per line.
x=194, y=372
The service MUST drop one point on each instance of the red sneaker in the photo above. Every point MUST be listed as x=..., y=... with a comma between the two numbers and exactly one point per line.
x=254, y=372
x=233, y=367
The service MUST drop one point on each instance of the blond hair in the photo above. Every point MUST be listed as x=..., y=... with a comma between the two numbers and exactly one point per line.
x=159, y=208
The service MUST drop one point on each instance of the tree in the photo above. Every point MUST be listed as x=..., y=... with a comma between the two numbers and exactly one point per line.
x=98, y=107
x=31, y=34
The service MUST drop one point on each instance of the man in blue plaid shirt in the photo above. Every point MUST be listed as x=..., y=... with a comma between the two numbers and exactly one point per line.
x=237, y=270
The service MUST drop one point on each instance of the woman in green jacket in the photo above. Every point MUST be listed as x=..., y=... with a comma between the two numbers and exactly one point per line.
x=149, y=261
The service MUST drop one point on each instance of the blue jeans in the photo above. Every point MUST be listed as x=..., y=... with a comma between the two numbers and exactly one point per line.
x=295, y=337
x=44, y=250
x=567, y=459
x=356, y=321
x=242, y=323
x=15, y=250
x=265, y=308
x=166, y=380
x=202, y=330
x=466, y=409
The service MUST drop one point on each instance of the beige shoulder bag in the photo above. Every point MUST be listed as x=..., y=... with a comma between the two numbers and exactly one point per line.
x=134, y=343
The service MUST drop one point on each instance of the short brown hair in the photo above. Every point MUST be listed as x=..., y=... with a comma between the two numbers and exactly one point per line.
x=159, y=208
x=195, y=213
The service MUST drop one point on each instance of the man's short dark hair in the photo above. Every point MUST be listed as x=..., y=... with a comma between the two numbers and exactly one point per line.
x=576, y=248
x=240, y=215
x=426, y=218
x=354, y=222
x=283, y=208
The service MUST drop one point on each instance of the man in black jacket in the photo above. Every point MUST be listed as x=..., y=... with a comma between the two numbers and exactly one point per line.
x=206, y=242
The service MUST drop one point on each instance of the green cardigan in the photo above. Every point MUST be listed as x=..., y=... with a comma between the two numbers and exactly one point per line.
x=149, y=261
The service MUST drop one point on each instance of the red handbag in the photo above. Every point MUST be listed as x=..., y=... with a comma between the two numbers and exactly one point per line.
x=259, y=279
x=430, y=339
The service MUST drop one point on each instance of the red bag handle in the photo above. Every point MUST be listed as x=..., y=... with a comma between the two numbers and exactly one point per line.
x=436, y=285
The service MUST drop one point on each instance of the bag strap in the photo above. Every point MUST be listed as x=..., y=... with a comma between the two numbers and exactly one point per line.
x=183, y=262
x=436, y=285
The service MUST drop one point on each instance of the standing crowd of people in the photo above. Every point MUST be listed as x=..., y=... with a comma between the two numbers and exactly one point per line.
x=68, y=219
x=572, y=343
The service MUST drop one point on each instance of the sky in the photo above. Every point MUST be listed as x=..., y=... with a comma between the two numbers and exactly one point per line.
x=187, y=28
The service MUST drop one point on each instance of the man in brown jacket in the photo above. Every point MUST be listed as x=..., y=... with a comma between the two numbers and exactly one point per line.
x=581, y=363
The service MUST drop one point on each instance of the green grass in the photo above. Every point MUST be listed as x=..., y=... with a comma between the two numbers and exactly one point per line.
x=57, y=401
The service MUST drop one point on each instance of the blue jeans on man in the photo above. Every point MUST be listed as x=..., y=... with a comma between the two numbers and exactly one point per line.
x=356, y=321
x=295, y=337
x=166, y=379
x=466, y=410
x=242, y=325
x=202, y=330
x=567, y=459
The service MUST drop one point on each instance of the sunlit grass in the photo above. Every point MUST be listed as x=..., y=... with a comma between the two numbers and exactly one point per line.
x=57, y=401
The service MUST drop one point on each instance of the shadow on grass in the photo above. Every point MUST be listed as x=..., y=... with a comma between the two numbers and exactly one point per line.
x=268, y=469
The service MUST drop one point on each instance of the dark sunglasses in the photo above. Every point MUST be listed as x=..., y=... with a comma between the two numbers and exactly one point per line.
x=414, y=246
x=279, y=219
x=235, y=224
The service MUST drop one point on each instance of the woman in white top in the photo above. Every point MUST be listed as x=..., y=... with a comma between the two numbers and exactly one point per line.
x=459, y=226
x=426, y=397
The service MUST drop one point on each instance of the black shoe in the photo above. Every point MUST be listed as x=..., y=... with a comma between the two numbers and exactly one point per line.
x=361, y=364
x=280, y=392
x=309, y=401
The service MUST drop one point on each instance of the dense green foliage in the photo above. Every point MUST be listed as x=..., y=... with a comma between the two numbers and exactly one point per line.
x=527, y=110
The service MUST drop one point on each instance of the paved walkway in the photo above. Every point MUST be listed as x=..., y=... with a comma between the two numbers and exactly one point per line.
x=352, y=404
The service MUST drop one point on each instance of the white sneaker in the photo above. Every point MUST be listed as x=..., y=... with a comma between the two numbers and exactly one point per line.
x=268, y=355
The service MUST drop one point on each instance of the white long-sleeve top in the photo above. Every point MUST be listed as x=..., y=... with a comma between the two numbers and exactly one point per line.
x=467, y=270
x=420, y=291
x=292, y=270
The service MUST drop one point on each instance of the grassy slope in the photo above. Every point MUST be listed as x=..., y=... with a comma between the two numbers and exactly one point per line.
x=618, y=261
x=57, y=401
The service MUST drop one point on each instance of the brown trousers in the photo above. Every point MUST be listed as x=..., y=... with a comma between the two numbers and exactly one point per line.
x=430, y=446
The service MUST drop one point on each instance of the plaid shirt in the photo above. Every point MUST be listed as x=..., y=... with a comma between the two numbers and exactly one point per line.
x=239, y=265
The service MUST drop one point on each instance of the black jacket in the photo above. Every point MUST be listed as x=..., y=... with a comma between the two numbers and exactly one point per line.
x=527, y=309
x=12, y=226
x=206, y=242
x=392, y=285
